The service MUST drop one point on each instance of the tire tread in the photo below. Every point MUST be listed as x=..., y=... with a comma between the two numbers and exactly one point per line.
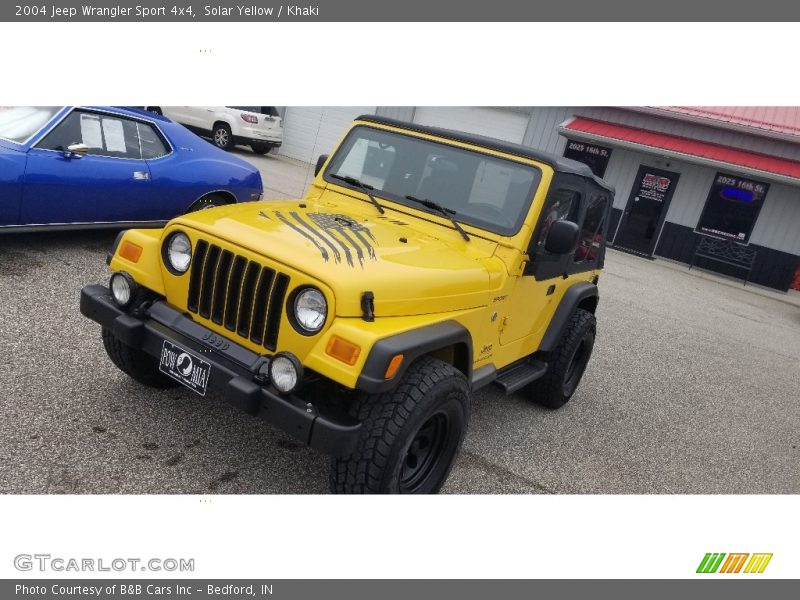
x=548, y=391
x=133, y=362
x=383, y=416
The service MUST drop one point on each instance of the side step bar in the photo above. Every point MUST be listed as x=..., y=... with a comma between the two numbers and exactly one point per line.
x=520, y=374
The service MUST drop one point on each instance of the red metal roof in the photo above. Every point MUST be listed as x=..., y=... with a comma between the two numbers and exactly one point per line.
x=780, y=119
x=686, y=146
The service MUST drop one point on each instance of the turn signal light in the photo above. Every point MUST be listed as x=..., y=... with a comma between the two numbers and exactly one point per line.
x=130, y=251
x=394, y=365
x=345, y=351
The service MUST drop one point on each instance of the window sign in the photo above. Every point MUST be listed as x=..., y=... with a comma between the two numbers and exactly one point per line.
x=732, y=207
x=593, y=156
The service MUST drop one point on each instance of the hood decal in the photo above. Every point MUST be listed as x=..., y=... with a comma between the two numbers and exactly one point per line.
x=315, y=232
x=333, y=234
x=309, y=237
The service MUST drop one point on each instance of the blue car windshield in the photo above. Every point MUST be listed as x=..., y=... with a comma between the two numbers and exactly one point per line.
x=19, y=123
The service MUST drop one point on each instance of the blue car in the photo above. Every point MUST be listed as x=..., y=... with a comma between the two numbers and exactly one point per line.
x=63, y=167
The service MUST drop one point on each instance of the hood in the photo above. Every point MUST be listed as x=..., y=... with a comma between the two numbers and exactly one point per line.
x=412, y=266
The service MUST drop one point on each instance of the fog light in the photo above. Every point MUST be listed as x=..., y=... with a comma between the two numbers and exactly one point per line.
x=285, y=372
x=123, y=288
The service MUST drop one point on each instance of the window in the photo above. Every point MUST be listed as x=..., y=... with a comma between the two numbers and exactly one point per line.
x=561, y=204
x=486, y=191
x=105, y=135
x=590, y=239
x=20, y=123
x=152, y=144
x=732, y=207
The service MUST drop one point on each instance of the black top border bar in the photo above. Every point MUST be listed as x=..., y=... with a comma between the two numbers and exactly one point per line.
x=407, y=11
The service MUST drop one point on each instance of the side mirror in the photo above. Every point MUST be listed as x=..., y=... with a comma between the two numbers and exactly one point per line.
x=562, y=237
x=320, y=161
x=76, y=150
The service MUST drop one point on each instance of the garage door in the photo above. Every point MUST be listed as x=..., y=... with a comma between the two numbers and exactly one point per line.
x=499, y=123
x=309, y=131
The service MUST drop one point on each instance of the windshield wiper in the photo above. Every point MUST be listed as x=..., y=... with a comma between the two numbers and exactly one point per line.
x=364, y=187
x=447, y=212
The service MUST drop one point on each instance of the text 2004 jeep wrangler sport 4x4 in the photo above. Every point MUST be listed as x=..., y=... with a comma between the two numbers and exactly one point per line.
x=422, y=265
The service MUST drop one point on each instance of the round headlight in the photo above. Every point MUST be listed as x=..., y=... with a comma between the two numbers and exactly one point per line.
x=179, y=252
x=285, y=372
x=122, y=288
x=310, y=310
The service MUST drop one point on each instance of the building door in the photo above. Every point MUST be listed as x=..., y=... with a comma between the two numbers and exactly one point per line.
x=644, y=214
x=309, y=131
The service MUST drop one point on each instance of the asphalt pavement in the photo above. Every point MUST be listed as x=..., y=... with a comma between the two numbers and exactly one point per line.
x=693, y=387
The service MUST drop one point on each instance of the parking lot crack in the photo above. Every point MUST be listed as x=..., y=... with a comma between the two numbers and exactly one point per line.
x=503, y=474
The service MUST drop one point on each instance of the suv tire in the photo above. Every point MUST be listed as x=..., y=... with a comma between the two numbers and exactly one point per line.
x=261, y=148
x=133, y=362
x=567, y=362
x=222, y=137
x=410, y=435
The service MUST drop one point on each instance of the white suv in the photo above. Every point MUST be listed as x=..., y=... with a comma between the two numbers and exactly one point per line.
x=259, y=127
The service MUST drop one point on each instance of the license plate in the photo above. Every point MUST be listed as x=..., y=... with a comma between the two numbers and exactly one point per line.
x=191, y=371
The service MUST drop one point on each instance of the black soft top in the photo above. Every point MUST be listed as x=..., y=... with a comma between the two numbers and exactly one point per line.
x=558, y=163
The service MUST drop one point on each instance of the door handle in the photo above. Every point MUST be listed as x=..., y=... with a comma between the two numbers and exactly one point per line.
x=141, y=175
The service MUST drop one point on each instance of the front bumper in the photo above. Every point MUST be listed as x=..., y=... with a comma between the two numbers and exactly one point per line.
x=234, y=370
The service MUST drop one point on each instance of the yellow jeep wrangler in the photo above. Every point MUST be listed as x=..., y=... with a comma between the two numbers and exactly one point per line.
x=422, y=265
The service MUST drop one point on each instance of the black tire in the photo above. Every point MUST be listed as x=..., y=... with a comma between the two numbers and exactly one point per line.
x=410, y=435
x=261, y=148
x=567, y=362
x=205, y=202
x=133, y=362
x=222, y=137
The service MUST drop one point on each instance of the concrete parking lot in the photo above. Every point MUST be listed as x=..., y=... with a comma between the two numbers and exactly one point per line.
x=693, y=388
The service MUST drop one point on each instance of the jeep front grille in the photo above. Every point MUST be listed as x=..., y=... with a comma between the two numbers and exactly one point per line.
x=240, y=294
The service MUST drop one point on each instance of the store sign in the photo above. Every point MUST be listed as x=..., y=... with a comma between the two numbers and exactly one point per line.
x=732, y=207
x=653, y=187
x=595, y=157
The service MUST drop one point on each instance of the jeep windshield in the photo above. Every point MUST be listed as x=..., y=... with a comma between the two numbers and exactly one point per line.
x=478, y=189
x=19, y=123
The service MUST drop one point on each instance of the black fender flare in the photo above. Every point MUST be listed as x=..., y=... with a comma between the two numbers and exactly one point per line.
x=579, y=293
x=413, y=344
